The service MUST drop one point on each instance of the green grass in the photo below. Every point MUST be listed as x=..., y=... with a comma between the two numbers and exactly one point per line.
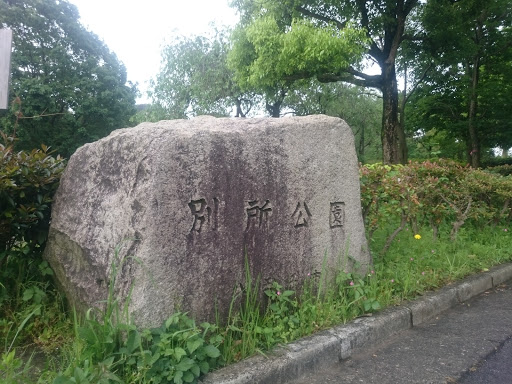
x=106, y=348
x=419, y=265
x=410, y=268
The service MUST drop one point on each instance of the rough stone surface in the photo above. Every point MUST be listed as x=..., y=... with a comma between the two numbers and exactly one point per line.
x=473, y=286
x=366, y=331
x=500, y=274
x=283, y=364
x=186, y=200
x=430, y=305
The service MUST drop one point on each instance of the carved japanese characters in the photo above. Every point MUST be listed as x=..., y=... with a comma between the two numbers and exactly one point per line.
x=187, y=202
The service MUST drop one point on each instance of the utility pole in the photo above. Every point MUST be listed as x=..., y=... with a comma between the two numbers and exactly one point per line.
x=5, y=66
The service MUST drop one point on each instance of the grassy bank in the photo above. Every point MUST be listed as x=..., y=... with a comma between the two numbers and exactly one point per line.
x=99, y=349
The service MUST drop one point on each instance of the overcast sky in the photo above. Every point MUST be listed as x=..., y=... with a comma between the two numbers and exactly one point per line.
x=136, y=30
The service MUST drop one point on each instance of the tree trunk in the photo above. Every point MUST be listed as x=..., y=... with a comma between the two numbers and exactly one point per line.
x=273, y=106
x=402, y=144
x=391, y=130
x=239, y=111
x=361, y=145
x=274, y=110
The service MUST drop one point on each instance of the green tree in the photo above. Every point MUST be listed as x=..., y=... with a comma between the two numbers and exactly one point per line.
x=465, y=97
x=68, y=87
x=195, y=80
x=278, y=42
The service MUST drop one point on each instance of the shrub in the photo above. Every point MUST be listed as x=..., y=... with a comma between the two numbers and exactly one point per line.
x=503, y=170
x=28, y=181
x=441, y=193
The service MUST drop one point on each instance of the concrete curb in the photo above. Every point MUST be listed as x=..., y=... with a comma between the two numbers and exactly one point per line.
x=328, y=347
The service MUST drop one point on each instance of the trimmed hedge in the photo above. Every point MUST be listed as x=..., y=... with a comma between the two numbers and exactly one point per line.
x=440, y=194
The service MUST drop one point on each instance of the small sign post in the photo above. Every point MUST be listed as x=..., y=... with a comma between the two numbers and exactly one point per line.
x=5, y=66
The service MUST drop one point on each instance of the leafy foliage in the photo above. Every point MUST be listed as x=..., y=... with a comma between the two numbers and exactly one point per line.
x=68, y=88
x=13, y=369
x=177, y=352
x=194, y=80
x=435, y=194
x=466, y=94
x=278, y=43
x=30, y=311
x=277, y=53
x=28, y=181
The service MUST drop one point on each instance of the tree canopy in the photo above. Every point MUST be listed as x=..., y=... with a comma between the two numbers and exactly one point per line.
x=327, y=39
x=466, y=94
x=67, y=88
x=194, y=79
x=451, y=59
x=453, y=56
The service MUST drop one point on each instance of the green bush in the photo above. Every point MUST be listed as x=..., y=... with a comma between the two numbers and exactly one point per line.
x=28, y=181
x=503, y=170
x=497, y=162
x=436, y=194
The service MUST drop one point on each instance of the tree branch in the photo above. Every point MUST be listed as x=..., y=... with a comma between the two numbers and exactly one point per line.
x=418, y=82
x=349, y=75
x=363, y=75
x=307, y=12
x=403, y=222
x=375, y=51
x=396, y=39
x=346, y=77
x=461, y=216
x=409, y=5
x=352, y=76
x=42, y=115
x=410, y=37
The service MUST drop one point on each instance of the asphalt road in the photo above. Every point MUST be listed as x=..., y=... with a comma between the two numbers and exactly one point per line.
x=495, y=368
x=468, y=344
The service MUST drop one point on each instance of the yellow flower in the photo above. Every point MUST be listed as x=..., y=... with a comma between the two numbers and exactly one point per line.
x=417, y=237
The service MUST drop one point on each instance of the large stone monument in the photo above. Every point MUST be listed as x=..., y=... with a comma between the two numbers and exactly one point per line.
x=191, y=200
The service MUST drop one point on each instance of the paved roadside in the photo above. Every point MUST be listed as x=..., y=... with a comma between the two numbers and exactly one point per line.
x=495, y=368
x=434, y=339
x=456, y=346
